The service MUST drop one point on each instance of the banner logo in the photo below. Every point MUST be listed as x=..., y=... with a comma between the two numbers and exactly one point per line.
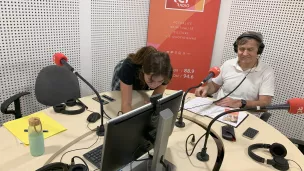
x=186, y=5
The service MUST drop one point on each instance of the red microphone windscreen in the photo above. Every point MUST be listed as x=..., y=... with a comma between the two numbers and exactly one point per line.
x=57, y=58
x=296, y=106
x=215, y=70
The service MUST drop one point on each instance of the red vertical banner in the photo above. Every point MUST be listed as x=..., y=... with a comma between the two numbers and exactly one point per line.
x=186, y=30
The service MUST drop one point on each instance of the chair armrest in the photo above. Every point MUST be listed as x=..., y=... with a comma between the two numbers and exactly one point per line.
x=300, y=144
x=265, y=116
x=14, y=98
x=296, y=141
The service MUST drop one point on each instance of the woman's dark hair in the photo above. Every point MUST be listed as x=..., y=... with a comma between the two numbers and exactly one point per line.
x=138, y=57
x=153, y=62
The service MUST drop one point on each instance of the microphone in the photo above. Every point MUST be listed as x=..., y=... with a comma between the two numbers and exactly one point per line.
x=61, y=60
x=213, y=72
x=294, y=106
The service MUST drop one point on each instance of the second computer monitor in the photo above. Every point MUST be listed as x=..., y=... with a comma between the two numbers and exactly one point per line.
x=126, y=137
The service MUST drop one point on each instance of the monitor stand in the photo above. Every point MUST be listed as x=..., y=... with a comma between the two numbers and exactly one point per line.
x=163, y=132
x=164, y=129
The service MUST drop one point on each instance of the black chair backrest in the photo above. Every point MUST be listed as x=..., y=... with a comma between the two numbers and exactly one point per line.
x=55, y=84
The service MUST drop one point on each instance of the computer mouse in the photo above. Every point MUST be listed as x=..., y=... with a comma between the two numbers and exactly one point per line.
x=93, y=117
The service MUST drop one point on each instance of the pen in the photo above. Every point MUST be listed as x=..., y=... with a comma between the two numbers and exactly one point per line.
x=25, y=130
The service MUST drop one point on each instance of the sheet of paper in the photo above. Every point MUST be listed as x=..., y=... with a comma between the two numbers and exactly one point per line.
x=227, y=118
x=17, y=126
x=204, y=107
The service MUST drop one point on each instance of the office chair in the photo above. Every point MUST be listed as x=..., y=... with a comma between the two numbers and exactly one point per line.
x=16, y=99
x=265, y=116
x=300, y=144
x=55, y=85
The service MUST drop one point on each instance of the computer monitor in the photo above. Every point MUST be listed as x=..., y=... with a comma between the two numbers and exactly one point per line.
x=126, y=136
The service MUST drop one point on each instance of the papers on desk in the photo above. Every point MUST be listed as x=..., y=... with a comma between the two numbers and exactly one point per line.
x=204, y=107
x=16, y=127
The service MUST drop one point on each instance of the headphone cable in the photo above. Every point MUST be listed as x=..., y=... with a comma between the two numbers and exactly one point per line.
x=238, y=84
x=79, y=149
x=89, y=127
x=194, y=145
x=295, y=163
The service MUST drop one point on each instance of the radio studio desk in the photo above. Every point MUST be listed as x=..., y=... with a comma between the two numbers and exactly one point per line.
x=15, y=156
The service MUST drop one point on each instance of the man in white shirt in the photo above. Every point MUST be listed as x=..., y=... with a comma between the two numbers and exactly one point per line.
x=255, y=78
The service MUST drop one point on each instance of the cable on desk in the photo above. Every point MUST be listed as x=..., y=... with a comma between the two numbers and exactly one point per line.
x=90, y=110
x=79, y=149
x=194, y=145
x=119, y=113
x=107, y=115
x=89, y=127
x=295, y=163
x=68, y=145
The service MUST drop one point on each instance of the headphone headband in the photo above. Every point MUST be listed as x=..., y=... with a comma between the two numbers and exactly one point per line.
x=253, y=155
x=278, y=151
x=63, y=167
x=257, y=38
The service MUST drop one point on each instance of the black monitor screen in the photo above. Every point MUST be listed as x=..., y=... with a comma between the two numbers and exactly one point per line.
x=126, y=136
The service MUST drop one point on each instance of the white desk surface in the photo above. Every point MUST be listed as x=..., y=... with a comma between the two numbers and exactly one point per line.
x=15, y=156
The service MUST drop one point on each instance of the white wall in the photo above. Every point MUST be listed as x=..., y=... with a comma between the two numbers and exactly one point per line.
x=220, y=35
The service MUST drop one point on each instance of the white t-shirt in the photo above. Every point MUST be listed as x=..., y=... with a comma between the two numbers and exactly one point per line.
x=260, y=81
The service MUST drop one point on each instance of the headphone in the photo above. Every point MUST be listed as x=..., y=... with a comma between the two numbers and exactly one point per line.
x=261, y=47
x=65, y=167
x=60, y=108
x=278, y=151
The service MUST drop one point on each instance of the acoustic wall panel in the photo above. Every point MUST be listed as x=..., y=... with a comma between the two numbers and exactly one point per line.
x=117, y=29
x=31, y=31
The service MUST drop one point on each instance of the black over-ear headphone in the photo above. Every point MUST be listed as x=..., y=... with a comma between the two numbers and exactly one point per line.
x=261, y=47
x=60, y=108
x=278, y=151
x=65, y=167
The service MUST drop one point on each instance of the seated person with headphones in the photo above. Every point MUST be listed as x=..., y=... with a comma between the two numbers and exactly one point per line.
x=147, y=69
x=244, y=81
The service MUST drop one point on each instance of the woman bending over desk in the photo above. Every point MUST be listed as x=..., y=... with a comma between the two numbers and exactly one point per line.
x=147, y=69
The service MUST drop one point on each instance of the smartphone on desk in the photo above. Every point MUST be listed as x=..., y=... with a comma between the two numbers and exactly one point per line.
x=250, y=133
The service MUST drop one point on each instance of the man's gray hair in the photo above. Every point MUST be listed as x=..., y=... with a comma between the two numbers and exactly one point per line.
x=245, y=39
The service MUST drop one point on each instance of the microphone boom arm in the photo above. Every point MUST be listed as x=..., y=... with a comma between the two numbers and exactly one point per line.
x=180, y=122
x=66, y=64
x=100, y=129
x=203, y=156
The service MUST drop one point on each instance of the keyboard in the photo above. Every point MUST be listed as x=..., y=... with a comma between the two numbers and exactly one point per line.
x=94, y=156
